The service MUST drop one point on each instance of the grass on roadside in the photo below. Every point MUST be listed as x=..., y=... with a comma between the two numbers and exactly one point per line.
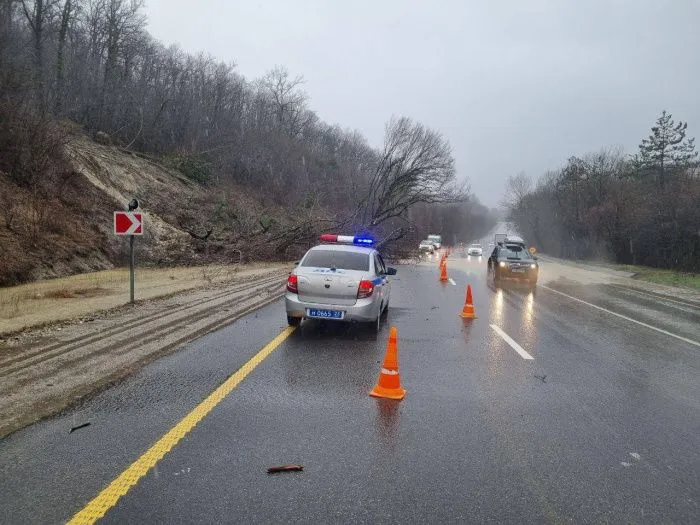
x=41, y=302
x=656, y=275
x=663, y=276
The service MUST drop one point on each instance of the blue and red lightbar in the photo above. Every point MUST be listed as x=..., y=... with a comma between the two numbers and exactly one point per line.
x=347, y=239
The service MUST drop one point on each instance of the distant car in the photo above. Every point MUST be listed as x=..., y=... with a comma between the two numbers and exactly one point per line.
x=426, y=247
x=513, y=262
x=345, y=280
x=436, y=240
x=475, y=250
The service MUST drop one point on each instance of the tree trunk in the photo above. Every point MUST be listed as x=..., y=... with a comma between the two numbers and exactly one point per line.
x=60, y=58
x=36, y=22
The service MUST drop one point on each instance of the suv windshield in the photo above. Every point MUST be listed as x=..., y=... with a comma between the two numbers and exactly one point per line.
x=515, y=252
x=337, y=259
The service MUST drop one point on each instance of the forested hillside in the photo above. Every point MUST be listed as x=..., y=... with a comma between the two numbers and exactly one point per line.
x=71, y=67
x=635, y=209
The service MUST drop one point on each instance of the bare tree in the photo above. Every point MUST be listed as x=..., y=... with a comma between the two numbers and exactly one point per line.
x=37, y=14
x=287, y=97
x=415, y=166
x=66, y=15
x=517, y=187
x=123, y=21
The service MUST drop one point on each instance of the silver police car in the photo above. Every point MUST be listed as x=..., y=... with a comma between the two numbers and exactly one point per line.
x=342, y=280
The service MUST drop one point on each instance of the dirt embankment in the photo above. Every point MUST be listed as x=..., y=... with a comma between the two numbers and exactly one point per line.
x=50, y=230
x=47, y=369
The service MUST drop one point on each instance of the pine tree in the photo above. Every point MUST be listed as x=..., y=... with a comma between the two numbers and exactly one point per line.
x=666, y=148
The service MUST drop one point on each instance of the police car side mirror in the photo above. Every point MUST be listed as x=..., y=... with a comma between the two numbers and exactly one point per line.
x=391, y=271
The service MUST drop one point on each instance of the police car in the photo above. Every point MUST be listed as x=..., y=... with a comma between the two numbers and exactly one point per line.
x=344, y=279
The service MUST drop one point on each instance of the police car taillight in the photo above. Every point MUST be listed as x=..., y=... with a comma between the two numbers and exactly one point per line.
x=358, y=240
x=293, y=284
x=366, y=289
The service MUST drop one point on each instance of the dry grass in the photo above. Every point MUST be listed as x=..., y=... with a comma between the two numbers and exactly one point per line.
x=72, y=297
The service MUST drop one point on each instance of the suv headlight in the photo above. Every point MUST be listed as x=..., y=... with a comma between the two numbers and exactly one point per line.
x=533, y=266
x=502, y=264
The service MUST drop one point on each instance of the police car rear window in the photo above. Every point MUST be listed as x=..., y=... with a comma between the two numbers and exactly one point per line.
x=337, y=259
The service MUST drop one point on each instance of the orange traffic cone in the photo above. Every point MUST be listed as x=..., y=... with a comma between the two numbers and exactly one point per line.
x=389, y=385
x=443, y=272
x=468, y=310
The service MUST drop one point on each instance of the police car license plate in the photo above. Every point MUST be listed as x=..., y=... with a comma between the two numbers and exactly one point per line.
x=325, y=314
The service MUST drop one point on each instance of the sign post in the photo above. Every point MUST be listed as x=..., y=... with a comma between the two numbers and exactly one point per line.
x=129, y=223
x=131, y=269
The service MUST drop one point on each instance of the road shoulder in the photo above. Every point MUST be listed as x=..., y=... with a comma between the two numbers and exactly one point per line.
x=46, y=370
x=554, y=269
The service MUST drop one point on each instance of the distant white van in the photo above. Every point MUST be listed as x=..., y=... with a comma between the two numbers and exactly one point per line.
x=436, y=240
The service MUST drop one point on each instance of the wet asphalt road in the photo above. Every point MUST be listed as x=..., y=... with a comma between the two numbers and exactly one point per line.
x=601, y=426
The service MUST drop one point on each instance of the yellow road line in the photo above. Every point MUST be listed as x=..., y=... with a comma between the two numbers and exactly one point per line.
x=106, y=499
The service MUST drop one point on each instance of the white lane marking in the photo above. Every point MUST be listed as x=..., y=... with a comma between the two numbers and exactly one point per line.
x=512, y=343
x=635, y=456
x=452, y=282
x=660, y=330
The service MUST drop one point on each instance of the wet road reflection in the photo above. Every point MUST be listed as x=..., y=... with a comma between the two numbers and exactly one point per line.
x=387, y=422
x=496, y=312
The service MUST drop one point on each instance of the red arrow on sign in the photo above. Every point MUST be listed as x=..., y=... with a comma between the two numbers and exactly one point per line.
x=128, y=223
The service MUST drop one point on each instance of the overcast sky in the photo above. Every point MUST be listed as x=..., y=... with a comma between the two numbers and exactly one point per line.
x=514, y=86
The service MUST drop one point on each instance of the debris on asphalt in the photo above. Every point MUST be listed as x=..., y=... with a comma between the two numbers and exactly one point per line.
x=541, y=378
x=285, y=468
x=73, y=429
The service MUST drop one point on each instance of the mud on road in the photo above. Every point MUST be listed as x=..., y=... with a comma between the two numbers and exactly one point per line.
x=46, y=370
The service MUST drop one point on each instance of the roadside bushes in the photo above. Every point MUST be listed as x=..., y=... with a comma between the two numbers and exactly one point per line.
x=43, y=201
x=193, y=167
x=32, y=149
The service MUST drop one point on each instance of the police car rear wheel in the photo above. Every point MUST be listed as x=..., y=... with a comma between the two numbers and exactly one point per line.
x=293, y=321
x=376, y=325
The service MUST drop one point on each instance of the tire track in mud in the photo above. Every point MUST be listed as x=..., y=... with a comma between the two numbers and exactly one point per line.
x=50, y=379
x=57, y=349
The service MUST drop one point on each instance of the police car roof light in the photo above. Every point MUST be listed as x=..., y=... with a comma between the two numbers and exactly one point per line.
x=366, y=241
x=347, y=239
